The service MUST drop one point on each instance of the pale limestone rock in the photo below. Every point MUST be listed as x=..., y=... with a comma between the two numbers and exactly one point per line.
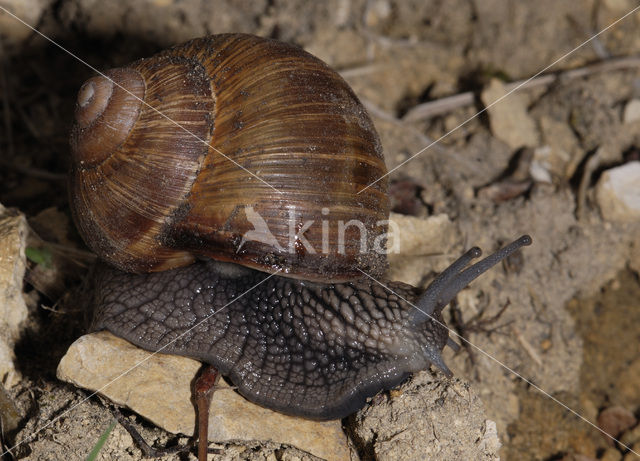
x=634, y=259
x=631, y=437
x=508, y=117
x=563, y=153
x=420, y=243
x=632, y=456
x=12, y=31
x=490, y=441
x=378, y=12
x=622, y=6
x=627, y=384
x=618, y=193
x=9, y=414
x=540, y=168
x=611, y=454
x=157, y=386
x=13, y=311
x=631, y=111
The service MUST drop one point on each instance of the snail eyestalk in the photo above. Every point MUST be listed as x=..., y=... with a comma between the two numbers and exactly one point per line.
x=453, y=279
x=156, y=192
x=336, y=334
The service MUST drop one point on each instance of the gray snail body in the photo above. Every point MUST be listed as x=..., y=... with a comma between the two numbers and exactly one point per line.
x=320, y=336
x=303, y=348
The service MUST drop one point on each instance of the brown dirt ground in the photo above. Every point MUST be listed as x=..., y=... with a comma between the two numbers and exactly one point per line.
x=573, y=295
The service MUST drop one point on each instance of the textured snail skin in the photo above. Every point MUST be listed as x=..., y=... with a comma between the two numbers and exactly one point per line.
x=303, y=348
x=315, y=340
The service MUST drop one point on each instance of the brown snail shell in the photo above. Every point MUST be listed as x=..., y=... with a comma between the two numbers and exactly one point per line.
x=148, y=194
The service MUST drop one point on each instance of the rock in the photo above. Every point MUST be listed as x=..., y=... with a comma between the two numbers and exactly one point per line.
x=508, y=117
x=13, y=310
x=615, y=420
x=158, y=387
x=427, y=418
x=577, y=457
x=413, y=243
x=405, y=197
x=490, y=442
x=618, y=193
x=12, y=31
x=611, y=454
x=627, y=382
x=631, y=437
x=631, y=111
x=623, y=6
x=634, y=259
x=9, y=414
x=562, y=154
x=540, y=168
x=513, y=184
x=378, y=12
x=632, y=455
x=171, y=22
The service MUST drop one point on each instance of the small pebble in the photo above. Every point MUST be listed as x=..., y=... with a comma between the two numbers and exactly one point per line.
x=508, y=117
x=631, y=456
x=405, y=197
x=577, y=457
x=611, y=454
x=632, y=111
x=631, y=437
x=615, y=420
x=618, y=194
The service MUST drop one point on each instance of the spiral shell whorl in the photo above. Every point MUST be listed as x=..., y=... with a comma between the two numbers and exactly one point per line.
x=123, y=204
x=225, y=120
x=106, y=112
x=284, y=115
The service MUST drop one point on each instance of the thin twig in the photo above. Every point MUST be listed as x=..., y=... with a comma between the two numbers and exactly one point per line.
x=387, y=117
x=424, y=140
x=476, y=324
x=527, y=346
x=589, y=167
x=596, y=43
x=77, y=255
x=31, y=127
x=359, y=70
x=444, y=105
x=440, y=106
x=147, y=450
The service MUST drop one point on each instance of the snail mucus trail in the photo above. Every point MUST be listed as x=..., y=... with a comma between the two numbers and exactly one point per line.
x=166, y=213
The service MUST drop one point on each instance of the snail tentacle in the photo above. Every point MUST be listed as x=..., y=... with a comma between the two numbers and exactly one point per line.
x=453, y=345
x=151, y=198
x=443, y=289
x=310, y=349
x=428, y=302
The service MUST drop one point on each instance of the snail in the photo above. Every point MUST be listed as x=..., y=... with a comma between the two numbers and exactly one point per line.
x=199, y=177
